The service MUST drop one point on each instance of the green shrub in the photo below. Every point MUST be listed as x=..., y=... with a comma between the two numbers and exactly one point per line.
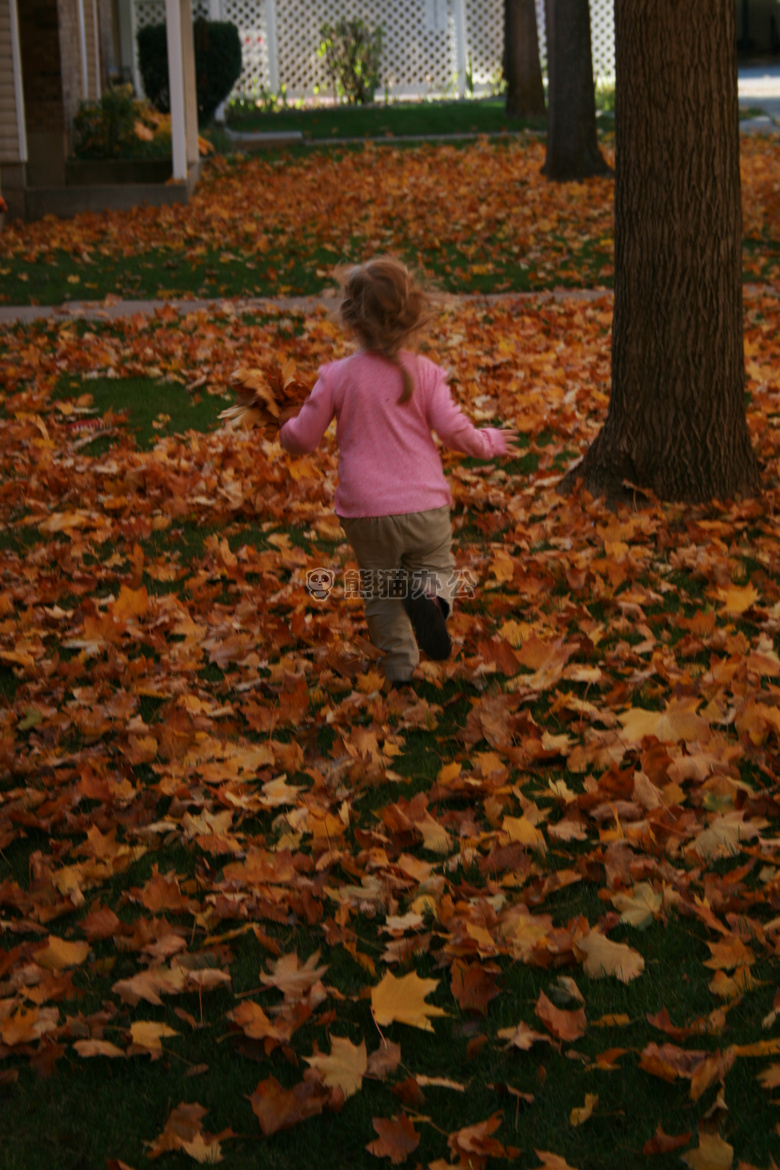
x=217, y=64
x=353, y=55
x=105, y=129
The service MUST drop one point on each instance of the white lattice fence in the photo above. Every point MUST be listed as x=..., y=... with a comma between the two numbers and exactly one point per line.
x=602, y=36
x=418, y=42
x=485, y=40
x=421, y=49
x=249, y=17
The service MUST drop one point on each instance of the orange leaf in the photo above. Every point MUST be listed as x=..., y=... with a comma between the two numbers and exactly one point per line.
x=564, y=1025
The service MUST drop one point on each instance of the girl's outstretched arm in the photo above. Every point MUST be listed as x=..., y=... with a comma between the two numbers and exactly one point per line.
x=457, y=432
x=303, y=433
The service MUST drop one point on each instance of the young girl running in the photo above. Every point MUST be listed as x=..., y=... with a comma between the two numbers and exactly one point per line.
x=393, y=499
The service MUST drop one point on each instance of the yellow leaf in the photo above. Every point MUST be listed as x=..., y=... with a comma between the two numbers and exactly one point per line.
x=148, y=1035
x=577, y=1116
x=737, y=598
x=604, y=957
x=403, y=1000
x=97, y=1048
x=552, y=1161
x=59, y=954
x=521, y=830
x=640, y=907
x=345, y=1067
x=677, y=721
x=712, y=1154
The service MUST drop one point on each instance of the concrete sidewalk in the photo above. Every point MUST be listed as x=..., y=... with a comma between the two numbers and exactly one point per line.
x=99, y=311
x=759, y=88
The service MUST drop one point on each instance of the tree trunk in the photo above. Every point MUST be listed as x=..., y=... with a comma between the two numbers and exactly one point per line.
x=522, y=70
x=572, y=147
x=676, y=421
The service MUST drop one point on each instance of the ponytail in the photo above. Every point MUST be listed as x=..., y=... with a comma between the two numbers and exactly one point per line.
x=383, y=304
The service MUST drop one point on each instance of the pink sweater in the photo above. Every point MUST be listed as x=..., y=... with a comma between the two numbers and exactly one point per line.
x=388, y=462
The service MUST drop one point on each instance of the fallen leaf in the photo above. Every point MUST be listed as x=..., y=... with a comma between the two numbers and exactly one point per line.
x=397, y=1139
x=403, y=1000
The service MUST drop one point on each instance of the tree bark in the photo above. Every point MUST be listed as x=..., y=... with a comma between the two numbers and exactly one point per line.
x=572, y=147
x=522, y=69
x=676, y=421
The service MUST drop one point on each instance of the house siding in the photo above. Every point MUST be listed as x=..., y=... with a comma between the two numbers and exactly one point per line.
x=93, y=64
x=9, y=124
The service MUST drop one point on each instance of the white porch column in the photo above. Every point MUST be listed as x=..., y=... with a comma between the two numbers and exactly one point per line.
x=273, y=45
x=460, y=44
x=127, y=19
x=83, y=52
x=190, y=85
x=176, y=87
x=16, y=57
x=96, y=30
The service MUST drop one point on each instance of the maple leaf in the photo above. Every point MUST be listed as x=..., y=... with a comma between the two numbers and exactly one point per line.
x=384, y=1059
x=397, y=1139
x=581, y=1114
x=278, y=1108
x=183, y=1132
x=522, y=1037
x=59, y=954
x=146, y=1036
x=678, y=721
x=292, y=979
x=473, y=985
x=712, y=1154
x=600, y=956
x=345, y=1067
x=403, y=1000
x=150, y=985
x=548, y=1161
x=476, y=1141
x=664, y=1143
x=770, y=1077
x=563, y=1024
x=267, y=395
x=640, y=907
x=88, y=1048
x=737, y=599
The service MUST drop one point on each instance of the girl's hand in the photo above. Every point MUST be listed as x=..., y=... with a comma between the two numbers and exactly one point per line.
x=511, y=435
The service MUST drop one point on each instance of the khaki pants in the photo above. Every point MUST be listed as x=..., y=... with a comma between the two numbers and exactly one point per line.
x=394, y=553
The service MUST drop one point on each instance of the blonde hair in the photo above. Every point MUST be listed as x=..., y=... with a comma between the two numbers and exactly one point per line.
x=384, y=306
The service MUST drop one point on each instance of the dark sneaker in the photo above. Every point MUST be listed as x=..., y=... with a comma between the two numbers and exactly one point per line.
x=429, y=626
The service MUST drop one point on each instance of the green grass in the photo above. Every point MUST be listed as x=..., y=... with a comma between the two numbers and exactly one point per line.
x=146, y=410
x=396, y=119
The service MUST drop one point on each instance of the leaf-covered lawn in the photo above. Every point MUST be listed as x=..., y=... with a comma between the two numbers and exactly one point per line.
x=257, y=906
x=476, y=217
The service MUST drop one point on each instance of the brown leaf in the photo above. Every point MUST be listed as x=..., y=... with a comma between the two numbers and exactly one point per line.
x=664, y=1143
x=278, y=1108
x=477, y=1140
x=473, y=985
x=397, y=1139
